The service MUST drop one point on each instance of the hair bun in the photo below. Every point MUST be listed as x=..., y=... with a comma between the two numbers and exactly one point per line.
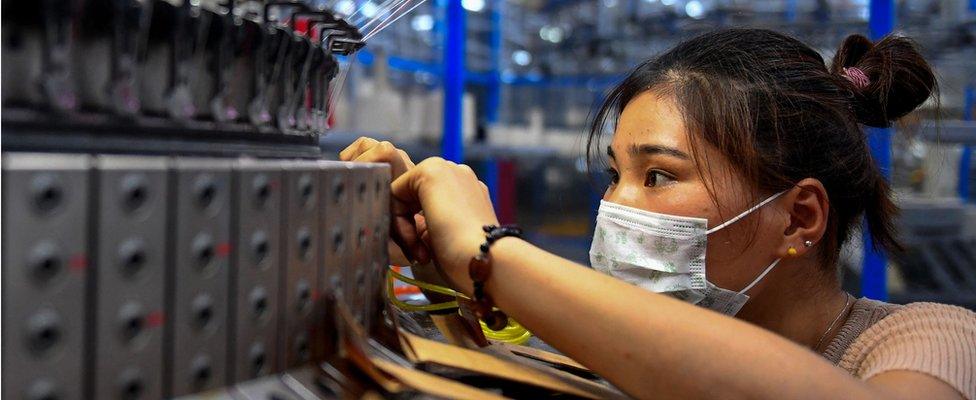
x=898, y=77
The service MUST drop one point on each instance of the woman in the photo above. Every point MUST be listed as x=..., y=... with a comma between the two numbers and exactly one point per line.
x=739, y=169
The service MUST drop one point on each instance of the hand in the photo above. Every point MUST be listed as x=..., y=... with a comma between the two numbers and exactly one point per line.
x=455, y=205
x=366, y=149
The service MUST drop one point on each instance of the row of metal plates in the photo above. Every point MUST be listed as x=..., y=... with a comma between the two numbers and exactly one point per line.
x=129, y=277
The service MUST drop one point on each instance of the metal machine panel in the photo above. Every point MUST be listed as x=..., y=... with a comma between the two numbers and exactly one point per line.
x=300, y=240
x=223, y=393
x=45, y=260
x=199, y=275
x=311, y=383
x=256, y=269
x=266, y=388
x=378, y=258
x=336, y=206
x=129, y=275
x=354, y=272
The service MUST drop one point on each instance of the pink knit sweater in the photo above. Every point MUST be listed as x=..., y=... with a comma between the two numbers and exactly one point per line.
x=935, y=339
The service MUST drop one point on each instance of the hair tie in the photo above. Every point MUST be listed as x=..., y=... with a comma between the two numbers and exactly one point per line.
x=857, y=77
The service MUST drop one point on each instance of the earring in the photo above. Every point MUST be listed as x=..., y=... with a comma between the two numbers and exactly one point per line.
x=808, y=243
x=791, y=251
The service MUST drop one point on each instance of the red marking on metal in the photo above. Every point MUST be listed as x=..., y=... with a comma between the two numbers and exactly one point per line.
x=223, y=249
x=155, y=319
x=78, y=262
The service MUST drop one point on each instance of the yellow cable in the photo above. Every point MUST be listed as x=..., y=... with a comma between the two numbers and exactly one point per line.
x=428, y=286
x=513, y=332
x=414, y=307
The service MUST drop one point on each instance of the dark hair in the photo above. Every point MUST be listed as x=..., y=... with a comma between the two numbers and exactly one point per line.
x=769, y=102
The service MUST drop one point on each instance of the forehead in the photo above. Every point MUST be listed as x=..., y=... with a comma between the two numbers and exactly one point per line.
x=650, y=118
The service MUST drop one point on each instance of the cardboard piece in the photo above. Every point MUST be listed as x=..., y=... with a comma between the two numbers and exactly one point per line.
x=385, y=367
x=454, y=330
x=542, y=355
x=432, y=384
x=496, y=365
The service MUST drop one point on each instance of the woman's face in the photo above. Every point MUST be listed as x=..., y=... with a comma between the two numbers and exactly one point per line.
x=653, y=168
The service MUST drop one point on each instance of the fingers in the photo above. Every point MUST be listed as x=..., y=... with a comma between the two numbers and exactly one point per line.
x=366, y=149
x=405, y=235
x=407, y=185
x=385, y=152
x=397, y=255
x=467, y=169
x=405, y=188
x=356, y=148
x=405, y=204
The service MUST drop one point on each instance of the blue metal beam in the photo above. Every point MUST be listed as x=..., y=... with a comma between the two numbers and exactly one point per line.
x=966, y=160
x=592, y=81
x=493, y=96
x=791, y=11
x=366, y=58
x=479, y=78
x=874, y=282
x=452, y=142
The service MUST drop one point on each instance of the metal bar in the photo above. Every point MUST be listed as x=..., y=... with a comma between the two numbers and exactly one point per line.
x=873, y=272
x=452, y=146
x=791, y=8
x=936, y=266
x=966, y=160
x=490, y=178
x=366, y=58
x=493, y=96
x=946, y=132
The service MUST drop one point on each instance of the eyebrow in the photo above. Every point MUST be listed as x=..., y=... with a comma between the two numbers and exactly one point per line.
x=653, y=149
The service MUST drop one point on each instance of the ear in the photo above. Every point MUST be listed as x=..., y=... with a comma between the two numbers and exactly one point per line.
x=808, y=208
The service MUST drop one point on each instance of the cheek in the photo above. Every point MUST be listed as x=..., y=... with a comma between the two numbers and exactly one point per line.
x=725, y=263
x=737, y=253
x=682, y=199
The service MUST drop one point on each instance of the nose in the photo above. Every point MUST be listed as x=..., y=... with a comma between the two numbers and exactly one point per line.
x=624, y=193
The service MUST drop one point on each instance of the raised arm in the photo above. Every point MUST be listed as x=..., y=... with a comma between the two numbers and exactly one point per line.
x=649, y=345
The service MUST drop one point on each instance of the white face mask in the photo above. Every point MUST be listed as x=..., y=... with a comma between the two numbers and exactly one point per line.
x=664, y=254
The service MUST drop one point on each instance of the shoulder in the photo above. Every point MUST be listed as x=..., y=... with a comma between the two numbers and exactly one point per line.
x=935, y=339
x=923, y=316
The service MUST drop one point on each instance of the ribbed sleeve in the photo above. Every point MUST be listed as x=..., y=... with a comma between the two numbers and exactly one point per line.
x=935, y=339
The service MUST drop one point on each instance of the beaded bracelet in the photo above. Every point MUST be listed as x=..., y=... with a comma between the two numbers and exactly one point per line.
x=479, y=270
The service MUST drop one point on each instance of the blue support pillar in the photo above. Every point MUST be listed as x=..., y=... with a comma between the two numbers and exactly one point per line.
x=791, y=12
x=452, y=142
x=493, y=97
x=491, y=178
x=874, y=283
x=966, y=161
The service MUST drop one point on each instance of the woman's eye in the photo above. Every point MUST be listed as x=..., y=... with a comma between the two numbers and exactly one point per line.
x=658, y=178
x=614, y=176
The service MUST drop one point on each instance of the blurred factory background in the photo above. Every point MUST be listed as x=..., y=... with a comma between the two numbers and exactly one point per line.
x=507, y=87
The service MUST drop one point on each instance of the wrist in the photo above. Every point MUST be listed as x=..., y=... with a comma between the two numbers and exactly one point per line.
x=480, y=270
x=460, y=276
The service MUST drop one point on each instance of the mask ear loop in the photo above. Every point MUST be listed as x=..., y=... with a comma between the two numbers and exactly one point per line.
x=740, y=216
x=744, y=213
x=759, y=278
